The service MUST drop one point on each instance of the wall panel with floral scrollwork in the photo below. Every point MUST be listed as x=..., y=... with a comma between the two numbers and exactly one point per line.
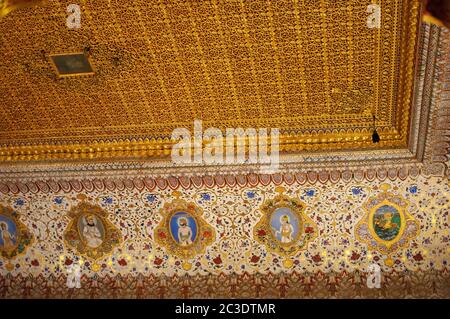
x=332, y=263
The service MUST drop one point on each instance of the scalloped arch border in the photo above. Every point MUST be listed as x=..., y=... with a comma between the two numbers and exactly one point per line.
x=185, y=182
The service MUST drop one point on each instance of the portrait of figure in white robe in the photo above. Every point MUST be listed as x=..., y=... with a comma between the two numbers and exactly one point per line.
x=91, y=231
x=183, y=228
x=184, y=232
x=285, y=225
x=8, y=239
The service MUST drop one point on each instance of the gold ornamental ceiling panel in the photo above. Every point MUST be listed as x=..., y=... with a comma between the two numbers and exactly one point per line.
x=313, y=69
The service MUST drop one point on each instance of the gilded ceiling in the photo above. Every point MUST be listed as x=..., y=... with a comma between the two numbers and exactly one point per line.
x=313, y=69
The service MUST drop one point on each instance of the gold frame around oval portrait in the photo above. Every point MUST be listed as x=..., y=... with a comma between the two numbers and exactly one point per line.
x=22, y=233
x=74, y=240
x=263, y=232
x=206, y=233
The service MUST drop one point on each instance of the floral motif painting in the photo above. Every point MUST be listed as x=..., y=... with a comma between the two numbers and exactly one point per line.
x=229, y=239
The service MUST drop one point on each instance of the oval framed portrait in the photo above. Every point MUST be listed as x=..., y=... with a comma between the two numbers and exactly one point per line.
x=183, y=228
x=285, y=225
x=8, y=234
x=387, y=222
x=91, y=230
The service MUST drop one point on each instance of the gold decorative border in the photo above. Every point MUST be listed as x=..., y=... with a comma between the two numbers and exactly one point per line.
x=140, y=148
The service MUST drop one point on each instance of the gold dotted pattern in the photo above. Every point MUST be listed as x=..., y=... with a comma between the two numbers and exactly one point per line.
x=311, y=68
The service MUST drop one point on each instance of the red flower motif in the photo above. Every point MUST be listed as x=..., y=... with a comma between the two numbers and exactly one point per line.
x=254, y=259
x=418, y=257
x=158, y=261
x=217, y=260
x=316, y=258
x=122, y=262
x=355, y=256
x=261, y=232
x=162, y=234
x=71, y=236
x=68, y=262
x=35, y=262
x=309, y=230
x=207, y=234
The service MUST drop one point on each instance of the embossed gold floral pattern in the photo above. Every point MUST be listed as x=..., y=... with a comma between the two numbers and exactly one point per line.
x=311, y=68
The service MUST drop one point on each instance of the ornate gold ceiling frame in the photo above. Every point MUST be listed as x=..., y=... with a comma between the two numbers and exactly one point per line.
x=429, y=109
x=421, y=154
x=47, y=148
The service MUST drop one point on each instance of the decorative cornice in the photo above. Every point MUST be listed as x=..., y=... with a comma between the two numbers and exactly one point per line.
x=250, y=180
x=437, y=138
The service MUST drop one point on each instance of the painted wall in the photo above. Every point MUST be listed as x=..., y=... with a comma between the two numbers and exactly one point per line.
x=231, y=260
